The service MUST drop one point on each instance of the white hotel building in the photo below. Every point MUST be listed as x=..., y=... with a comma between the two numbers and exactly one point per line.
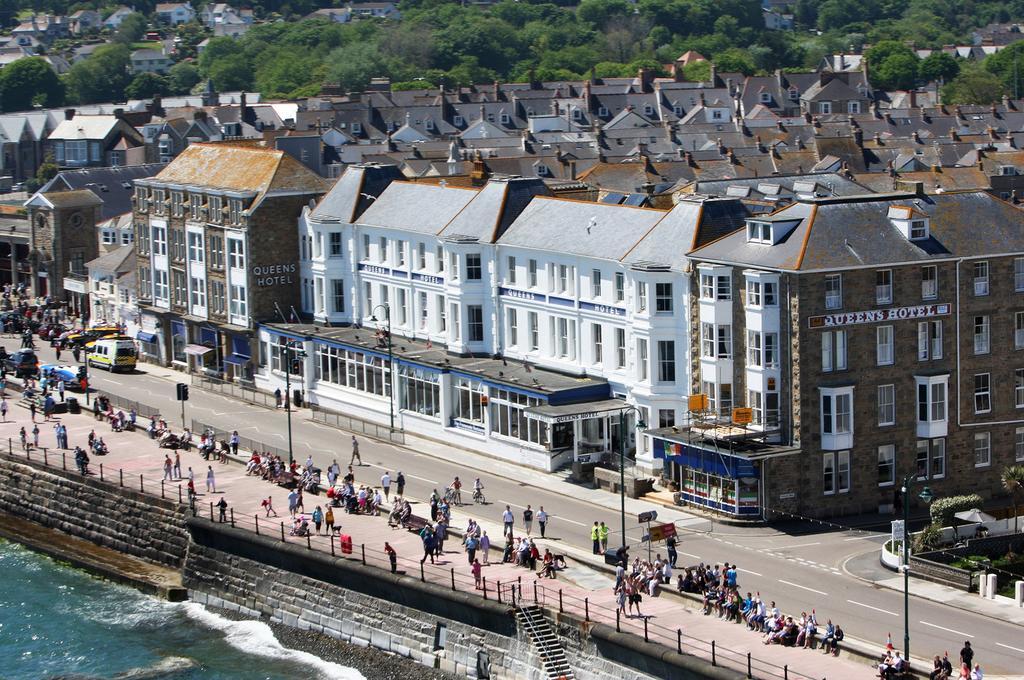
x=523, y=325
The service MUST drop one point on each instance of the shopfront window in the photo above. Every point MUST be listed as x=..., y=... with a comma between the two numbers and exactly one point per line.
x=179, y=338
x=420, y=391
x=508, y=417
x=355, y=370
x=469, y=400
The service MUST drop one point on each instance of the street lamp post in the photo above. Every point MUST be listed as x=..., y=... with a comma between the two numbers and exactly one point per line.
x=289, y=352
x=926, y=496
x=391, y=364
x=622, y=465
x=14, y=266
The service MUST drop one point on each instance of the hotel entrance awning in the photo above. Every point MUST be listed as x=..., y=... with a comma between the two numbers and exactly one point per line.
x=197, y=350
x=568, y=413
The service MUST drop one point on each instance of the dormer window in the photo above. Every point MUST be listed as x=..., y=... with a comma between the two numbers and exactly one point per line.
x=577, y=114
x=766, y=98
x=458, y=121
x=1007, y=170
x=678, y=111
x=505, y=119
x=603, y=111
x=357, y=127
x=918, y=229
x=429, y=124
x=911, y=222
x=794, y=94
x=759, y=232
x=648, y=110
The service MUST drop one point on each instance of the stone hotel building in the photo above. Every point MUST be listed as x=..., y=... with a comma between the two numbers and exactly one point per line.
x=871, y=337
x=216, y=252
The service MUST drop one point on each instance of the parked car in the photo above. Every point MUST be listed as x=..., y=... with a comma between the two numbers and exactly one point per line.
x=24, y=363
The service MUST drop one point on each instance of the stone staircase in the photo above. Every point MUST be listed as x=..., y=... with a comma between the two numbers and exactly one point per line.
x=545, y=642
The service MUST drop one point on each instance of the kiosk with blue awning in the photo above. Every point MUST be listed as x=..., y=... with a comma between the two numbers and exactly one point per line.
x=717, y=467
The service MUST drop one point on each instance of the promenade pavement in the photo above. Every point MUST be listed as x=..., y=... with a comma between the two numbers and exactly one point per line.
x=135, y=454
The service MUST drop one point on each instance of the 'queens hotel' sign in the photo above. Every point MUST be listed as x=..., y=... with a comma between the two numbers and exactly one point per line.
x=878, y=315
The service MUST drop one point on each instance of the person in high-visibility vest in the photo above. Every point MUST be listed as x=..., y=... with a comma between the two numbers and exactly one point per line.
x=604, y=530
x=595, y=536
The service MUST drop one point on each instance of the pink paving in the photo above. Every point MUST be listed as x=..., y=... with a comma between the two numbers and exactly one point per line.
x=135, y=454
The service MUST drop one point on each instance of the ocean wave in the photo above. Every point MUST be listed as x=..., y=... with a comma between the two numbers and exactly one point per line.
x=257, y=638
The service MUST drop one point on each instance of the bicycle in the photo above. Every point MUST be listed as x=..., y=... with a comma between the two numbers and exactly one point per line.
x=478, y=497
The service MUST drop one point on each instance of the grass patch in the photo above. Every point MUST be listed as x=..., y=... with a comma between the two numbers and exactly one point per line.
x=152, y=45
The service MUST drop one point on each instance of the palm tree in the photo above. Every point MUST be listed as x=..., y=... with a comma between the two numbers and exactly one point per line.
x=1013, y=482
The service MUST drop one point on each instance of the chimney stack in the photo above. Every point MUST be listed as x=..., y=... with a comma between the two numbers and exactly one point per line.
x=69, y=114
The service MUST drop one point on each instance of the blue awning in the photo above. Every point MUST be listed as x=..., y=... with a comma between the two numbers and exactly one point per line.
x=143, y=336
x=236, y=359
x=706, y=460
x=240, y=346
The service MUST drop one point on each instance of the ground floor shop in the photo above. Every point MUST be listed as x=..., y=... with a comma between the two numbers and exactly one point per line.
x=196, y=346
x=500, y=407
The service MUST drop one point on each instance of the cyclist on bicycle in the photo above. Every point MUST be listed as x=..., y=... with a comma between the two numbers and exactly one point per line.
x=478, y=490
x=456, y=489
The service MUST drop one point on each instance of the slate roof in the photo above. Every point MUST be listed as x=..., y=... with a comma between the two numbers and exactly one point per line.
x=580, y=228
x=493, y=209
x=417, y=208
x=347, y=199
x=118, y=261
x=113, y=186
x=856, y=232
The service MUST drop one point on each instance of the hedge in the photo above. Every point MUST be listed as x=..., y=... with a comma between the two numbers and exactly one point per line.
x=943, y=509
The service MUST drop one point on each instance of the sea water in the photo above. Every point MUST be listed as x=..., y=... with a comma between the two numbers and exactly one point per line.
x=57, y=622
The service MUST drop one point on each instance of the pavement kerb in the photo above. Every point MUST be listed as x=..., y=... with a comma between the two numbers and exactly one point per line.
x=456, y=453
x=922, y=595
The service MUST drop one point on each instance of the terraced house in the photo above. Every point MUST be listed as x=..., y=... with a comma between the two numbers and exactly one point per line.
x=216, y=252
x=523, y=325
x=871, y=337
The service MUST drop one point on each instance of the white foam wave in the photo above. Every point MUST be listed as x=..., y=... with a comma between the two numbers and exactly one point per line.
x=257, y=638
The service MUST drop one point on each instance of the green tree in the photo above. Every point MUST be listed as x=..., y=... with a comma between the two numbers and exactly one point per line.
x=354, y=65
x=1013, y=482
x=938, y=66
x=182, y=77
x=191, y=35
x=217, y=49
x=29, y=81
x=146, y=86
x=101, y=77
x=974, y=85
x=231, y=73
x=599, y=13
x=46, y=171
x=735, y=59
x=897, y=72
x=132, y=29
x=1006, y=65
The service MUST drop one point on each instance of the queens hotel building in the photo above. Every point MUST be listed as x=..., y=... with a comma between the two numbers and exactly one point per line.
x=522, y=325
x=217, y=252
x=872, y=337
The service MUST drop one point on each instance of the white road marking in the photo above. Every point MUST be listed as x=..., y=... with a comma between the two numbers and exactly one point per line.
x=113, y=381
x=800, y=545
x=797, y=585
x=566, y=519
x=948, y=630
x=753, y=573
x=860, y=538
x=385, y=467
x=1016, y=649
x=696, y=557
x=861, y=604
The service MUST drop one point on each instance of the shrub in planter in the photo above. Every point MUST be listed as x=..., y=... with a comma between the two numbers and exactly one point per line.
x=943, y=509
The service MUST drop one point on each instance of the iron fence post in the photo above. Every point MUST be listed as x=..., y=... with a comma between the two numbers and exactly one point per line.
x=485, y=587
x=499, y=592
x=282, y=532
x=618, y=616
x=46, y=461
x=140, y=485
x=120, y=474
x=749, y=673
x=64, y=463
x=309, y=543
x=162, y=489
x=257, y=517
x=232, y=518
x=364, y=553
x=714, y=661
x=646, y=639
x=453, y=579
x=586, y=609
x=560, y=608
x=679, y=640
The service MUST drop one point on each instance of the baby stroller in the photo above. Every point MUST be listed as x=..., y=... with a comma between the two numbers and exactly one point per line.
x=169, y=440
x=313, y=482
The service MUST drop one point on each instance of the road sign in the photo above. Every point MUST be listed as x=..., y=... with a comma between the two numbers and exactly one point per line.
x=898, y=530
x=648, y=516
x=662, y=532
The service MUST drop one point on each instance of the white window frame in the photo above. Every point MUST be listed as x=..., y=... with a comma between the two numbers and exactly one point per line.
x=1018, y=274
x=982, y=334
x=982, y=393
x=886, y=405
x=982, y=449
x=833, y=291
x=929, y=340
x=1018, y=330
x=887, y=465
x=883, y=287
x=929, y=282
x=885, y=345
x=833, y=351
x=836, y=417
x=981, y=278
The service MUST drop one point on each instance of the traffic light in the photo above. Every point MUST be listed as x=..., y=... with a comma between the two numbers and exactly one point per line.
x=81, y=373
x=182, y=390
x=296, y=366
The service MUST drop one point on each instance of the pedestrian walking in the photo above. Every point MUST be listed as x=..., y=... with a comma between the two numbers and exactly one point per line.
x=318, y=519
x=672, y=554
x=222, y=505
x=528, y=519
x=329, y=520
x=475, y=568
x=485, y=547
x=60, y=389
x=392, y=557
x=332, y=472
x=24, y=438
x=211, y=484
x=440, y=534
x=508, y=519
x=355, y=452
x=32, y=409
x=3, y=408
x=385, y=483
x=168, y=466
x=604, y=531
x=56, y=350
x=471, y=546
x=293, y=502
x=427, y=536
x=595, y=536
x=277, y=396
x=177, y=465
x=35, y=436
x=400, y=484
x=542, y=520
x=268, y=506
x=234, y=443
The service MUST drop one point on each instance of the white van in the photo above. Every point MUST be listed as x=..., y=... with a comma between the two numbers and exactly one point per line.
x=113, y=354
